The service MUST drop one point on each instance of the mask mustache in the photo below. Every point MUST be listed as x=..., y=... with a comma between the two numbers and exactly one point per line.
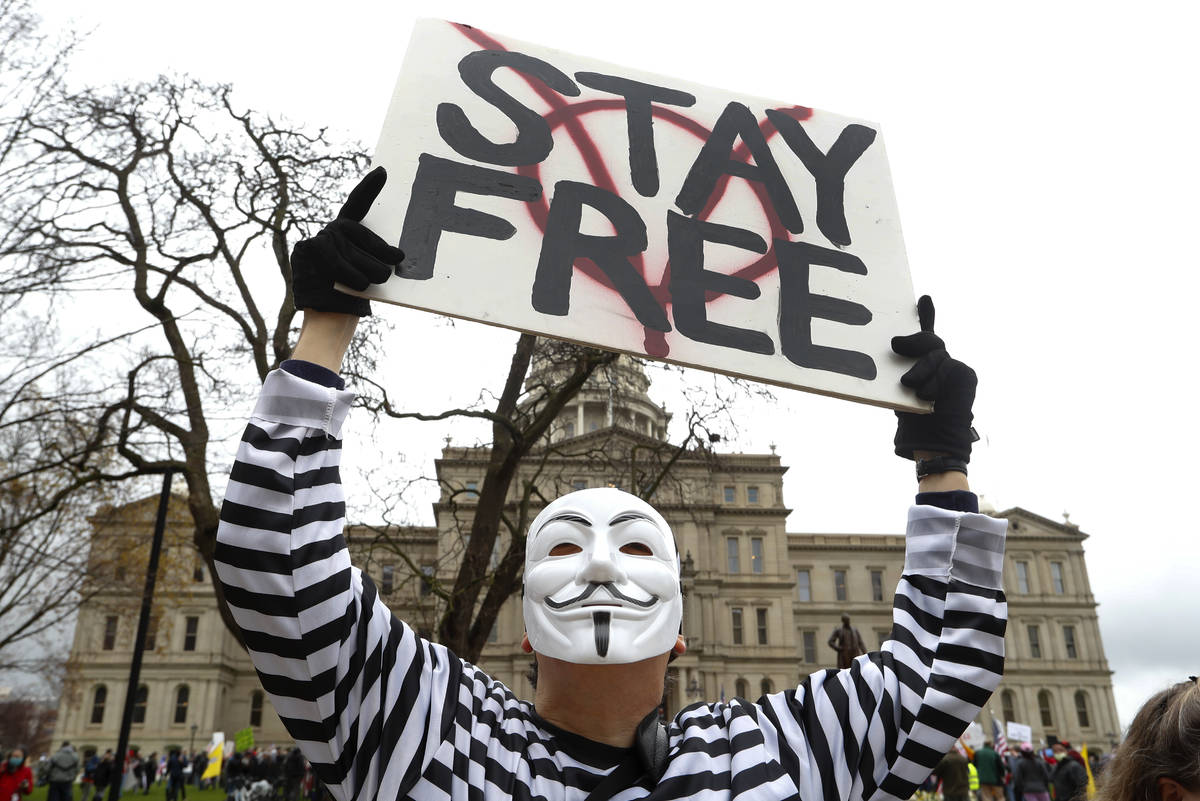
x=607, y=585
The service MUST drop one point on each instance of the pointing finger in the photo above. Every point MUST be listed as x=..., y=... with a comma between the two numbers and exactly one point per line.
x=363, y=195
x=925, y=312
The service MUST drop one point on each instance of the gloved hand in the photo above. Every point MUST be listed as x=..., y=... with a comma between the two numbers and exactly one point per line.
x=345, y=252
x=947, y=382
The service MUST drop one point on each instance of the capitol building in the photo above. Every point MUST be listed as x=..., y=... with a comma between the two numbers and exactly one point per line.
x=760, y=601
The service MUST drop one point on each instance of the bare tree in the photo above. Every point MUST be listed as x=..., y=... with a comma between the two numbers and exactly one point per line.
x=151, y=225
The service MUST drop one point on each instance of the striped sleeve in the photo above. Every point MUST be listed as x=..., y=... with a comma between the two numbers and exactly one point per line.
x=876, y=729
x=364, y=697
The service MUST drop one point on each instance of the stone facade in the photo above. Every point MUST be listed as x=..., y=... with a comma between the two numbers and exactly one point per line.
x=760, y=603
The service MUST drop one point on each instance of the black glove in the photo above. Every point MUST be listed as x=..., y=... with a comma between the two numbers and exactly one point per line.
x=947, y=382
x=344, y=252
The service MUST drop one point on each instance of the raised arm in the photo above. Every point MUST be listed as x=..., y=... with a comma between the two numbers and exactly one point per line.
x=877, y=729
x=359, y=691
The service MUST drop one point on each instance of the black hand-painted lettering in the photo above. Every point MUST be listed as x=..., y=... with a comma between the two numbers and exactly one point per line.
x=534, y=141
x=431, y=208
x=639, y=97
x=828, y=169
x=562, y=244
x=798, y=306
x=716, y=159
x=690, y=282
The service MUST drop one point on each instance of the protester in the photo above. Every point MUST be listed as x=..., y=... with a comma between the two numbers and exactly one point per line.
x=955, y=777
x=293, y=775
x=16, y=779
x=1159, y=760
x=103, y=776
x=1031, y=780
x=87, y=782
x=174, y=776
x=1069, y=776
x=991, y=773
x=64, y=768
x=382, y=712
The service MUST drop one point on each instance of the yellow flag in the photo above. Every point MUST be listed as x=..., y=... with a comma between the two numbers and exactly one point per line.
x=216, y=752
x=1088, y=765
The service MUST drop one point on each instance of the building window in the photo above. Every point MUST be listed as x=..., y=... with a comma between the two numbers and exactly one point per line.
x=256, y=706
x=110, y=633
x=494, y=633
x=426, y=580
x=730, y=495
x=809, y=638
x=881, y=636
x=1056, y=578
x=191, y=626
x=472, y=490
x=99, y=697
x=181, y=703
x=1044, y=708
x=198, y=572
x=579, y=484
x=839, y=584
x=761, y=615
x=389, y=575
x=876, y=585
x=1069, y=639
x=152, y=633
x=1008, y=705
x=1023, y=578
x=1081, y=710
x=570, y=432
x=752, y=495
x=756, y=555
x=737, y=626
x=803, y=585
x=139, y=703
x=119, y=573
x=592, y=426
x=766, y=686
x=732, y=561
x=742, y=688
x=1035, y=642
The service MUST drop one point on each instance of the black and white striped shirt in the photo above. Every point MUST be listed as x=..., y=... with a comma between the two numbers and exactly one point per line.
x=382, y=713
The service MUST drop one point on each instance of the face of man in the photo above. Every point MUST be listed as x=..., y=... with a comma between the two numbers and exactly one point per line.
x=601, y=580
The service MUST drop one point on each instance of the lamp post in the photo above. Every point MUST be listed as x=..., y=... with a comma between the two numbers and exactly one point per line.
x=192, y=744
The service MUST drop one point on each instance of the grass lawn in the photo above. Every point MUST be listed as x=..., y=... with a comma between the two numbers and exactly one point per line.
x=158, y=792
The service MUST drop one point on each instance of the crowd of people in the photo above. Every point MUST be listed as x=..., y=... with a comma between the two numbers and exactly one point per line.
x=1022, y=774
x=255, y=775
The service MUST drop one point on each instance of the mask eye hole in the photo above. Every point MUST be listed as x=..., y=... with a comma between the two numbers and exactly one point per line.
x=637, y=549
x=565, y=549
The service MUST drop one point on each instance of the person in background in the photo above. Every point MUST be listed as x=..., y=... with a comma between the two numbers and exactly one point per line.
x=87, y=783
x=1031, y=780
x=1160, y=757
x=991, y=773
x=103, y=775
x=16, y=779
x=1069, y=775
x=174, y=774
x=64, y=767
x=952, y=770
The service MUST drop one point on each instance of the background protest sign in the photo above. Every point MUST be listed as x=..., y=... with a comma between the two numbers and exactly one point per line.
x=564, y=196
x=1019, y=733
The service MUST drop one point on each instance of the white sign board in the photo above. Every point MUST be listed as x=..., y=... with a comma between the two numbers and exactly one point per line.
x=1019, y=733
x=564, y=196
x=973, y=737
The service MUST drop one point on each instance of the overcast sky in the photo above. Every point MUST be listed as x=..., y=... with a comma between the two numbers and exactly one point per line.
x=1046, y=177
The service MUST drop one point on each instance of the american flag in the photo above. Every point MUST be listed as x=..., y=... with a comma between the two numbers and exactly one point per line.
x=998, y=736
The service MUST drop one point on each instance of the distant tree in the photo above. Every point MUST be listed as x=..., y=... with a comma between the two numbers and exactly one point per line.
x=27, y=722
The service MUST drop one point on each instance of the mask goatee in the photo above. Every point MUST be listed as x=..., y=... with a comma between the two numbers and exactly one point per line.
x=600, y=627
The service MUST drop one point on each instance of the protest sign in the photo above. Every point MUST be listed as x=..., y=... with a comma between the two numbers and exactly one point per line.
x=572, y=198
x=243, y=739
x=216, y=754
x=1019, y=733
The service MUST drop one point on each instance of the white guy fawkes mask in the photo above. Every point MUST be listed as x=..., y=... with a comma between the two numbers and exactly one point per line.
x=601, y=580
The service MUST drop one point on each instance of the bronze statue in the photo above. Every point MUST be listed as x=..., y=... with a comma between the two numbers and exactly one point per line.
x=847, y=642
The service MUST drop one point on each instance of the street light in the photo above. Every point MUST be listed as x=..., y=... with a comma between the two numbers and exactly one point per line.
x=192, y=746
